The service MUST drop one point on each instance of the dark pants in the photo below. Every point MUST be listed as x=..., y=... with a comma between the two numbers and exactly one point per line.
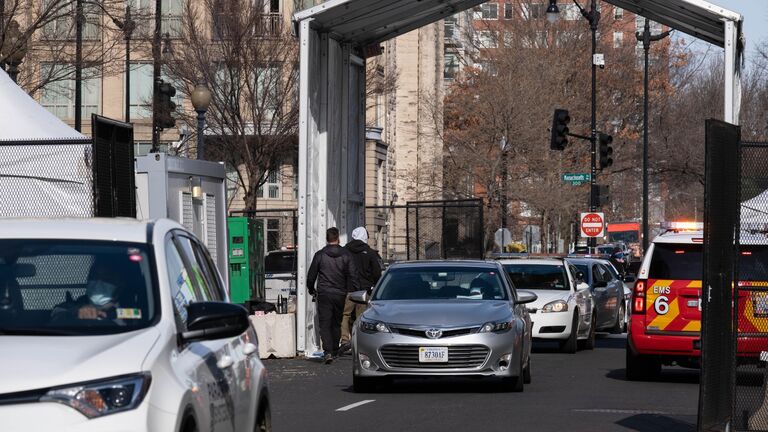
x=330, y=310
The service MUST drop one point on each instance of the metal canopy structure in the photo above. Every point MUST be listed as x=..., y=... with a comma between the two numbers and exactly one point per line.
x=334, y=37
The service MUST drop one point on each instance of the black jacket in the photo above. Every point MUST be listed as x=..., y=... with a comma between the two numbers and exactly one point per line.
x=333, y=267
x=367, y=261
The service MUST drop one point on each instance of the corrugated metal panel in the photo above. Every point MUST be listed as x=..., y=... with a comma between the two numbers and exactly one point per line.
x=187, y=213
x=210, y=224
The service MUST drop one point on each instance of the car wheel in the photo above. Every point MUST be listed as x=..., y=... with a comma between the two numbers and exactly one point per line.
x=364, y=384
x=618, y=327
x=515, y=384
x=527, y=372
x=569, y=345
x=640, y=367
x=264, y=420
x=589, y=342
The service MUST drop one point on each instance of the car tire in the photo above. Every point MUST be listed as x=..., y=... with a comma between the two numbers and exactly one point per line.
x=364, y=384
x=618, y=327
x=527, y=372
x=515, y=384
x=640, y=367
x=264, y=419
x=589, y=342
x=569, y=345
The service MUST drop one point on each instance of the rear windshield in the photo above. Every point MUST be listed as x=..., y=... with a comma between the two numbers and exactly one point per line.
x=280, y=262
x=676, y=261
x=446, y=283
x=538, y=277
x=753, y=263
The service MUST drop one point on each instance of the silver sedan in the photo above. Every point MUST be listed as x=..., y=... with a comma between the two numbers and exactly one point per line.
x=443, y=318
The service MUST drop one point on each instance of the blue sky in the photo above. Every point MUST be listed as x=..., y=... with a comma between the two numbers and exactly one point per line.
x=755, y=13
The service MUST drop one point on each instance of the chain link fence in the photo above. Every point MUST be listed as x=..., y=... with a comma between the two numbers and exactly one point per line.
x=750, y=410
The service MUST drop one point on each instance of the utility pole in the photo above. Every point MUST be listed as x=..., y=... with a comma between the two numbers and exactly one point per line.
x=79, y=18
x=646, y=38
x=156, y=61
x=128, y=27
x=2, y=32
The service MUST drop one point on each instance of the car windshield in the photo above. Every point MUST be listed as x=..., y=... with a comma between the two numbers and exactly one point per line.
x=75, y=287
x=538, y=277
x=676, y=261
x=280, y=262
x=448, y=283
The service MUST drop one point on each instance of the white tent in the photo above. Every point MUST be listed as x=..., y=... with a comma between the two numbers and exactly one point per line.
x=45, y=165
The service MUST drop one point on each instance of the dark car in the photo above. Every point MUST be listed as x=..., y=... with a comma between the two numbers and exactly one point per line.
x=607, y=293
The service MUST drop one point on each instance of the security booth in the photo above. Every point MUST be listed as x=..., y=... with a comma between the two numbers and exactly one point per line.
x=246, y=259
x=189, y=191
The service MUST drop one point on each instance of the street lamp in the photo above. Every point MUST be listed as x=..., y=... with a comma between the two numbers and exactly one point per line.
x=646, y=38
x=552, y=11
x=14, y=49
x=201, y=99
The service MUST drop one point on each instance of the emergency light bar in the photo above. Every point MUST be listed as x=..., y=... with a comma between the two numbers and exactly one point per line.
x=683, y=226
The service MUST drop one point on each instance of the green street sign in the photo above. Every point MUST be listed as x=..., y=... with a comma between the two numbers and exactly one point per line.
x=576, y=179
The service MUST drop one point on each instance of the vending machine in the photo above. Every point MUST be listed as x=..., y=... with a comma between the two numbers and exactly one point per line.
x=246, y=259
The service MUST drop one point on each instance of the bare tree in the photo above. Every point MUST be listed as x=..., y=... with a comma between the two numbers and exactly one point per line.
x=249, y=61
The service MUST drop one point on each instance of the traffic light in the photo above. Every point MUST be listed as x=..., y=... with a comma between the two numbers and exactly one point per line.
x=606, y=151
x=164, y=106
x=602, y=194
x=560, y=122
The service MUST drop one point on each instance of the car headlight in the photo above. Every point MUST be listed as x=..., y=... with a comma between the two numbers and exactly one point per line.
x=103, y=397
x=495, y=327
x=373, y=326
x=555, y=306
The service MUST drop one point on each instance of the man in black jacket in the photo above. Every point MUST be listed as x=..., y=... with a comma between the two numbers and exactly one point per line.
x=369, y=270
x=336, y=274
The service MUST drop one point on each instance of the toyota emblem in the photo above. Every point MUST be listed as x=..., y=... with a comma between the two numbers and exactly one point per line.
x=434, y=333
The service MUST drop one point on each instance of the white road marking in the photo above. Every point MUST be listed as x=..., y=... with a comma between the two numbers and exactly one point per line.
x=355, y=405
x=620, y=411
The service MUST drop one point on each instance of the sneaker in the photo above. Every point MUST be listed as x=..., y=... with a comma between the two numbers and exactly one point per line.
x=328, y=358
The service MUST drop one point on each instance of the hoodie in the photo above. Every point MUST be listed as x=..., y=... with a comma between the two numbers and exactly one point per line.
x=366, y=261
x=334, y=270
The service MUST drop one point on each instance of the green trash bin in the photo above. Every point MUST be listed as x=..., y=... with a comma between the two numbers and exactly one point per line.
x=246, y=259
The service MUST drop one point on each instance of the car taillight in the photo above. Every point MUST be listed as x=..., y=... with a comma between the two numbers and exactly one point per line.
x=638, y=297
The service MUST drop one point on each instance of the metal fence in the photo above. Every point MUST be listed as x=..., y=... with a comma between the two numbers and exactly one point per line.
x=750, y=399
x=427, y=230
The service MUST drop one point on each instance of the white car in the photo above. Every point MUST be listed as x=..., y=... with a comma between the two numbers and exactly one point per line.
x=564, y=310
x=121, y=325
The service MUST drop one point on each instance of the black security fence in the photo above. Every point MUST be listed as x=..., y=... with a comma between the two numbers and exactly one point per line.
x=418, y=230
x=750, y=400
x=58, y=178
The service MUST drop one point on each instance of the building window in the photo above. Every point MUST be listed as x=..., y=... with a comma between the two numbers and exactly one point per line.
x=490, y=11
x=143, y=148
x=508, y=11
x=171, y=17
x=268, y=87
x=141, y=90
x=58, y=96
x=618, y=13
x=273, y=234
x=63, y=26
x=640, y=25
x=380, y=189
x=450, y=27
x=534, y=10
x=271, y=188
x=451, y=68
x=485, y=39
x=618, y=38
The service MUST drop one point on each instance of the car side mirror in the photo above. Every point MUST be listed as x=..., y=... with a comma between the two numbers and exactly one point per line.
x=525, y=297
x=359, y=297
x=214, y=320
x=629, y=278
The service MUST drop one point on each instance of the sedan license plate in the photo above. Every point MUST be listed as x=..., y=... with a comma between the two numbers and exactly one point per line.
x=433, y=354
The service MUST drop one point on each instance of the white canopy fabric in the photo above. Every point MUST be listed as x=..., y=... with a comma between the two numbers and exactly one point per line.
x=23, y=119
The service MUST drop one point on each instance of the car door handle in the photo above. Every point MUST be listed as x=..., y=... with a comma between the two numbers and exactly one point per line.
x=225, y=362
x=249, y=349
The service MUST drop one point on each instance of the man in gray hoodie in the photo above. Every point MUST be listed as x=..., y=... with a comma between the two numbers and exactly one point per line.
x=333, y=267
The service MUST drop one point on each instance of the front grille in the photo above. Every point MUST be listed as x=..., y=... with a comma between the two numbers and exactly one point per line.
x=459, y=357
x=446, y=332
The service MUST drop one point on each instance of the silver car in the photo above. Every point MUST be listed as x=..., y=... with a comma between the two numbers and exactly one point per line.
x=443, y=318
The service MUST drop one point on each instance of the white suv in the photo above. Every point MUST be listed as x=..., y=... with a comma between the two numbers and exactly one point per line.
x=115, y=325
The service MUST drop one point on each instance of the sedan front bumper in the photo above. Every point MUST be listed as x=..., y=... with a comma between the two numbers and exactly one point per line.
x=552, y=325
x=480, y=354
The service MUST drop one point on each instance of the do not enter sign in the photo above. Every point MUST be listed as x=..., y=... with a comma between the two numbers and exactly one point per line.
x=592, y=224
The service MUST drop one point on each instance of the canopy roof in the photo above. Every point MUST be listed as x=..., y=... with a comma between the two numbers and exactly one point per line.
x=23, y=119
x=370, y=21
